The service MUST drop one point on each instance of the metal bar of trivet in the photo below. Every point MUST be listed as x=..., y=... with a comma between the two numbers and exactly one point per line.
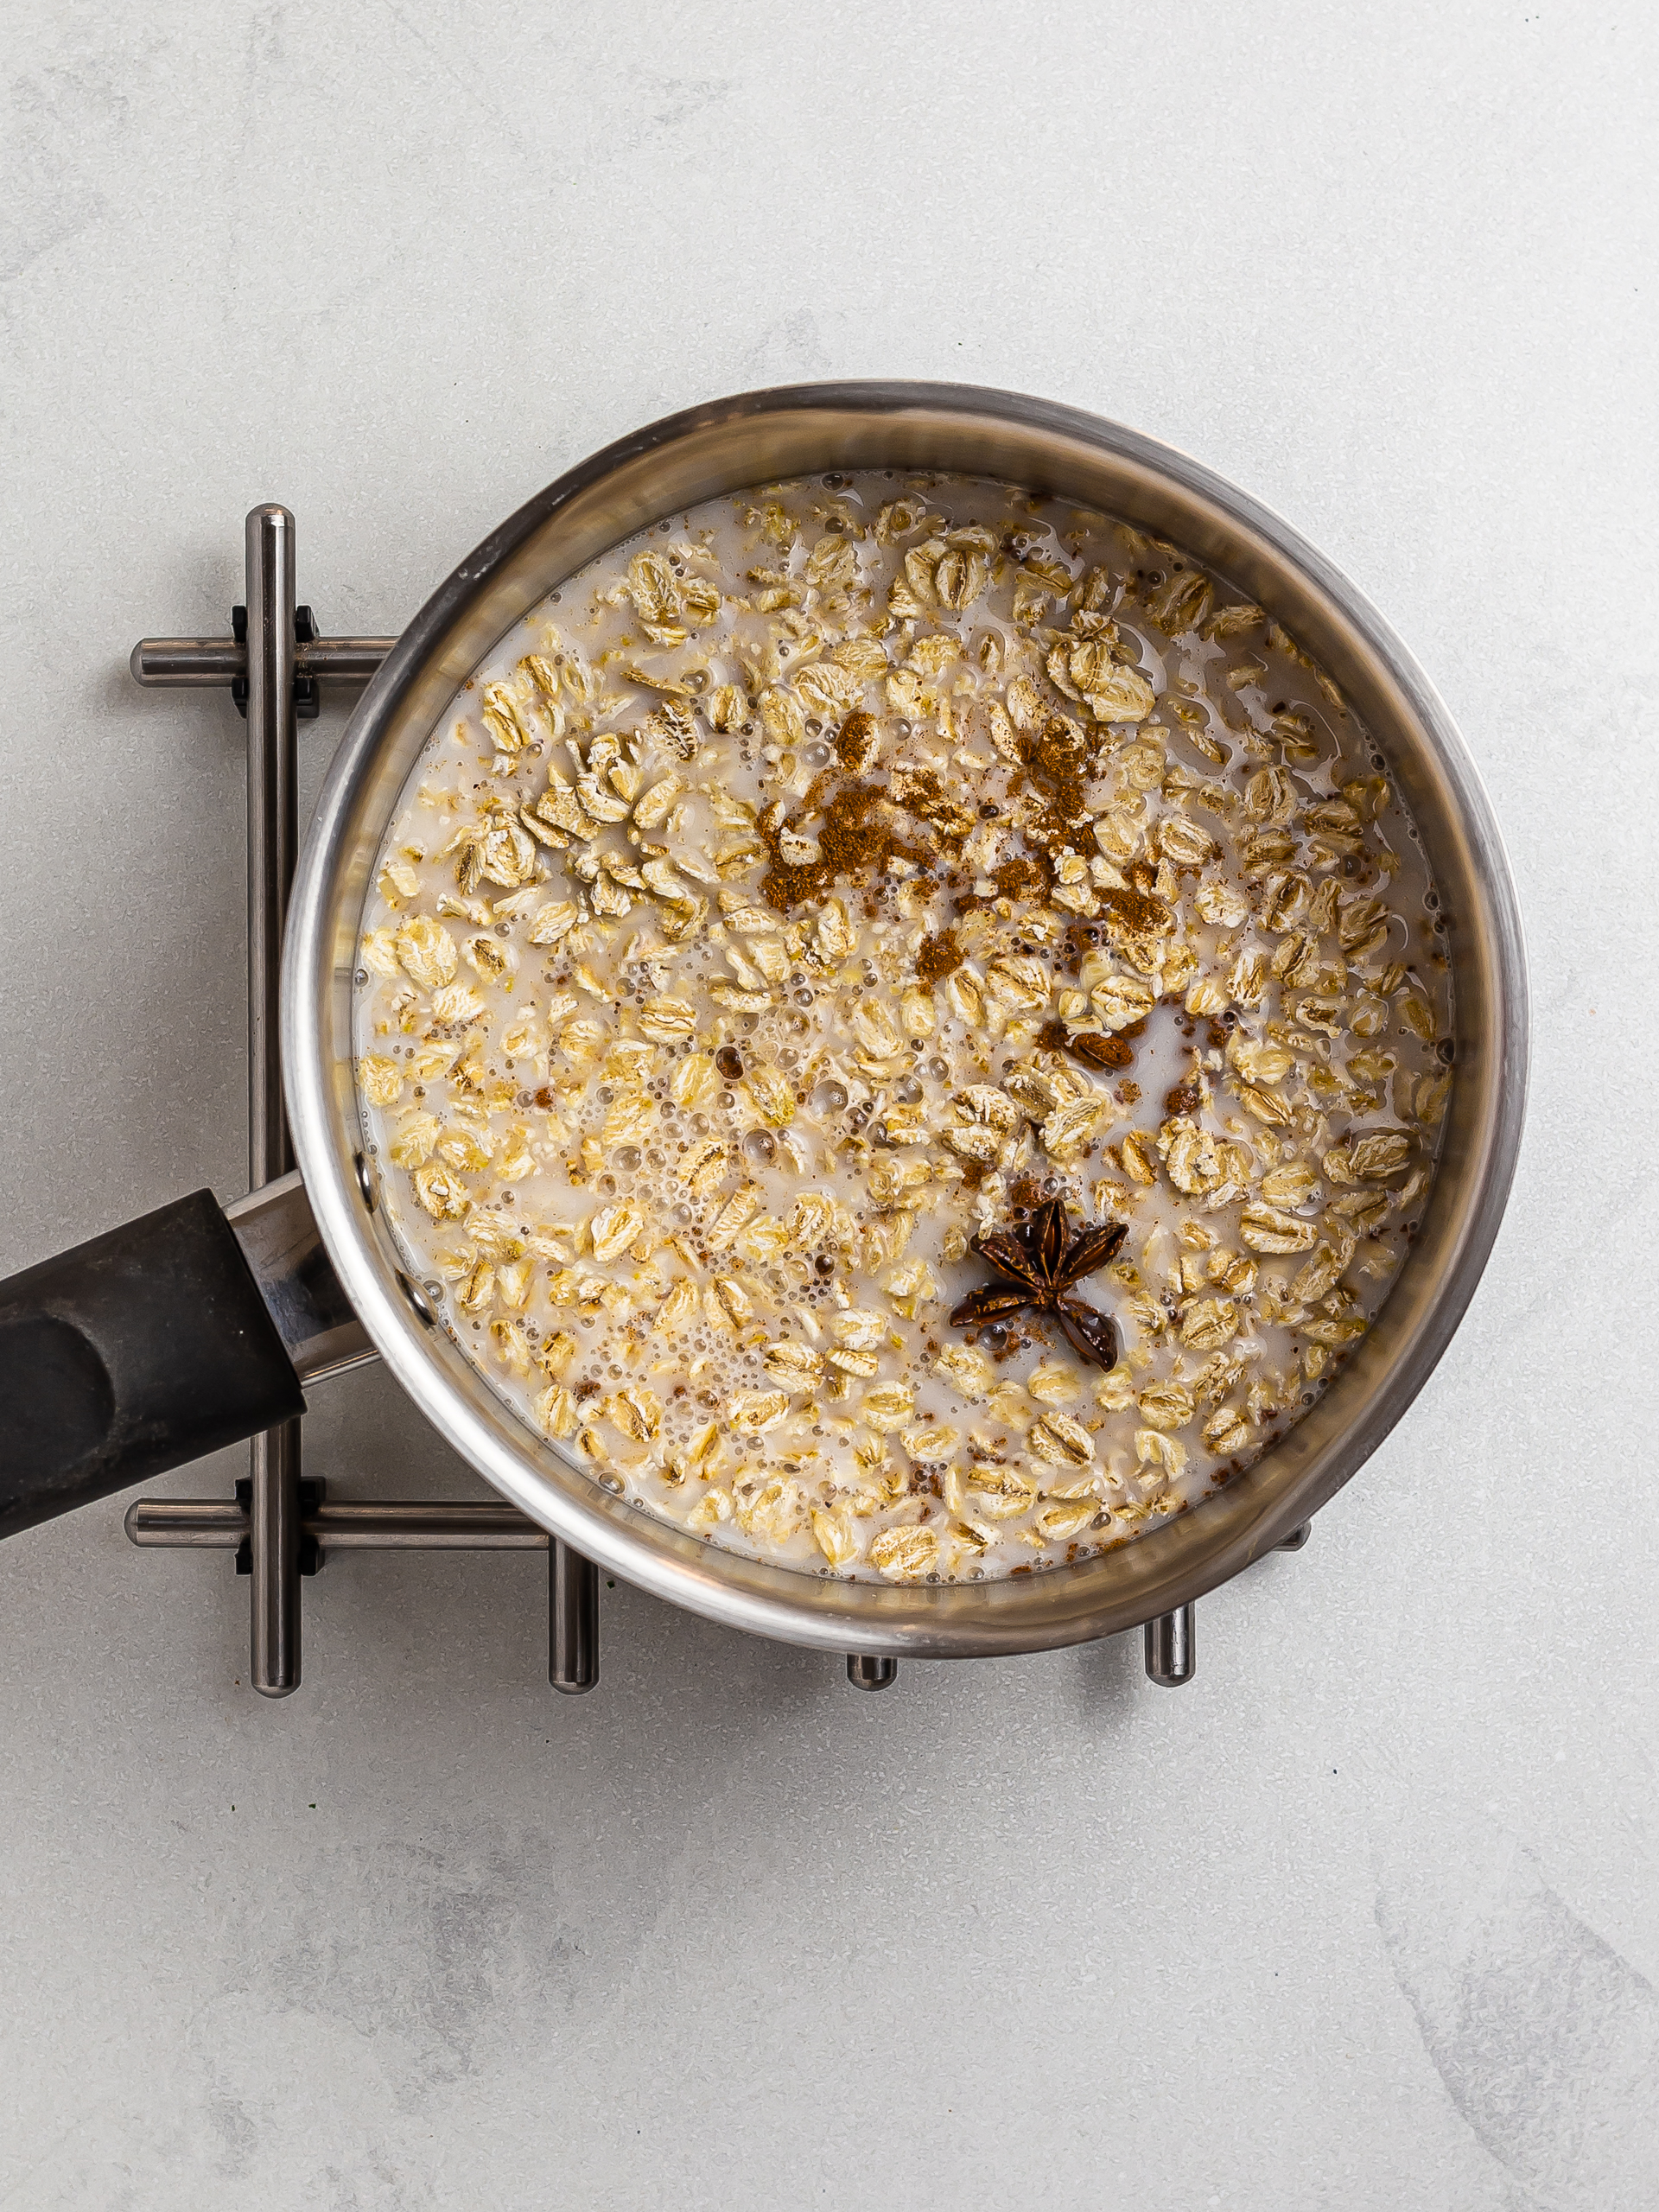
x=572, y=1620
x=221, y=1524
x=190, y=663
x=273, y=845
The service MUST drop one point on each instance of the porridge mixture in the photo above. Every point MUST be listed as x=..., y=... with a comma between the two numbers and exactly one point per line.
x=903, y=1026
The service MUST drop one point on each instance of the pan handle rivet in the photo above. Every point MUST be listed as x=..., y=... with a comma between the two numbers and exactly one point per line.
x=419, y=1302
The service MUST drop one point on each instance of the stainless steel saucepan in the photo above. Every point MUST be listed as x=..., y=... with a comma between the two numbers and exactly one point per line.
x=191, y=1328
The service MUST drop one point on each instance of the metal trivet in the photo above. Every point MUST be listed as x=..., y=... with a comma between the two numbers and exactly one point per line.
x=281, y=1526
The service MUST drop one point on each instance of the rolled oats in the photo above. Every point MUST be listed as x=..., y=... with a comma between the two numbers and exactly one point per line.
x=821, y=882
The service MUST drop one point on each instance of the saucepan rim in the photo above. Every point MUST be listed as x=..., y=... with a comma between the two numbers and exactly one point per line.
x=1057, y=449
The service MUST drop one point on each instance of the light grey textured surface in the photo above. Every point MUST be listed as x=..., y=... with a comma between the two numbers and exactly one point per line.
x=1364, y=1919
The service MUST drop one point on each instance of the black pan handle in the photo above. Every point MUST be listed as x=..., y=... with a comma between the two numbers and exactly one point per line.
x=147, y=1347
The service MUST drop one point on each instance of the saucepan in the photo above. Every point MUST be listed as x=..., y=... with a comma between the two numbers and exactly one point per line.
x=196, y=1327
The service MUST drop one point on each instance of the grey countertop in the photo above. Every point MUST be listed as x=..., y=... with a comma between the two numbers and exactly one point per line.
x=1366, y=1917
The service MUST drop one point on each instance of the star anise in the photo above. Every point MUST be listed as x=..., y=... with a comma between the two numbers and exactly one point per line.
x=1039, y=1261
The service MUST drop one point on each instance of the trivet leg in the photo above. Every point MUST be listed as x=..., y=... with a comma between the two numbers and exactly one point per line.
x=274, y=1540
x=865, y=1673
x=273, y=806
x=1171, y=1657
x=572, y=1619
